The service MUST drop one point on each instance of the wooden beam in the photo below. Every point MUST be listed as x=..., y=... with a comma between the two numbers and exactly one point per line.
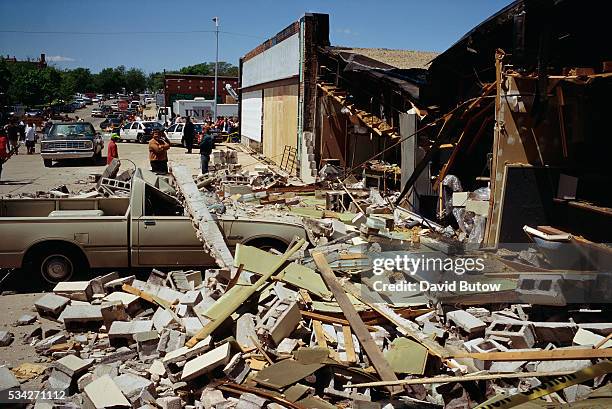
x=374, y=354
x=328, y=319
x=551, y=355
x=465, y=378
x=433, y=347
x=351, y=356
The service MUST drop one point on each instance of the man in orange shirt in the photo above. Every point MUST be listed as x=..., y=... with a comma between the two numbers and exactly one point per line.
x=158, y=152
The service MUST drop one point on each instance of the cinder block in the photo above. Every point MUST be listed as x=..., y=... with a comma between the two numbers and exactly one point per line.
x=104, y=393
x=75, y=290
x=465, y=321
x=51, y=305
x=520, y=333
x=72, y=365
x=125, y=330
x=206, y=363
x=541, y=289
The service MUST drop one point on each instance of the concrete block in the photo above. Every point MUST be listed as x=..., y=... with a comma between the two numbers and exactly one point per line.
x=460, y=199
x=97, y=284
x=466, y=321
x=51, y=305
x=170, y=340
x=250, y=401
x=192, y=325
x=72, y=365
x=132, y=386
x=122, y=354
x=157, y=368
x=113, y=312
x=482, y=345
x=543, y=289
x=167, y=294
x=26, y=319
x=169, y=402
x=588, y=338
x=182, y=354
x=147, y=344
x=237, y=369
x=59, y=381
x=75, y=290
x=245, y=330
x=520, y=333
x=206, y=363
x=161, y=319
x=48, y=342
x=104, y=393
x=125, y=330
x=131, y=302
x=211, y=397
x=75, y=316
x=6, y=338
x=191, y=298
x=8, y=380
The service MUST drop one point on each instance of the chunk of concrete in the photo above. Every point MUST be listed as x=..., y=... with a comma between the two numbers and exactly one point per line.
x=125, y=330
x=192, y=325
x=147, y=344
x=104, y=393
x=169, y=402
x=132, y=386
x=206, y=363
x=466, y=321
x=51, y=305
x=211, y=397
x=520, y=333
x=72, y=365
x=131, y=302
x=48, y=342
x=157, y=368
x=237, y=369
x=6, y=338
x=97, y=284
x=584, y=338
x=245, y=331
x=81, y=315
x=161, y=319
x=170, y=340
x=8, y=380
x=59, y=381
x=250, y=401
x=26, y=319
x=75, y=290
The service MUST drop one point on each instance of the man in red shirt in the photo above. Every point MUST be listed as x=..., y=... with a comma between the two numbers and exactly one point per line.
x=3, y=149
x=112, y=149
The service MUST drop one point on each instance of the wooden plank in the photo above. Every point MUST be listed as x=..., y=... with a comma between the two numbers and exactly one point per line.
x=361, y=332
x=552, y=355
x=317, y=328
x=433, y=347
x=351, y=356
x=236, y=296
x=328, y=319
x=465, y=378
x=206, y=226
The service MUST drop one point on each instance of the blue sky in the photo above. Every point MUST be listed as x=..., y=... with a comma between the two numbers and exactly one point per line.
x=404, y=24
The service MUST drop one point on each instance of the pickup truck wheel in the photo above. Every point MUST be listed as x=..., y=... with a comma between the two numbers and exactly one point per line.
x=48, y=163
x=268, y=243
x=57, y=263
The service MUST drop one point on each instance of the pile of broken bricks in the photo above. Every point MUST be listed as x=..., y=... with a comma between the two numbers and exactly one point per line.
x=208, y=340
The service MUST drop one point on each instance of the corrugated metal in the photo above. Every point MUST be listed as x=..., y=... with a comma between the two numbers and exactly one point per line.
x=251, y=107
x=276, y=63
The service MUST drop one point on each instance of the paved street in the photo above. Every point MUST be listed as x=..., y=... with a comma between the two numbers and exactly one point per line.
x=27, y=174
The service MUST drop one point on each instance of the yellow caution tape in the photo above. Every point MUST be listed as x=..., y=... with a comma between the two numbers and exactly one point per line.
x=548, y=387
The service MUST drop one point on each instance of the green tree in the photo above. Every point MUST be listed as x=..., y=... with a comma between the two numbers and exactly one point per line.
x=208, y=68
x=155, y=81
x=81, y=79
x=135, y=80
x=108, y=81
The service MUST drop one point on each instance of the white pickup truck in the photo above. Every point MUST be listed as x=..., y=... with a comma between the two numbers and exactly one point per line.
x=58, y=239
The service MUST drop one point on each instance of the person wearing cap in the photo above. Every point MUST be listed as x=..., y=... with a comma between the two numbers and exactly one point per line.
x=113, y=152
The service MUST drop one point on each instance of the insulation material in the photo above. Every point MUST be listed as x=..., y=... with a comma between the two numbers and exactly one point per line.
x=280, y=120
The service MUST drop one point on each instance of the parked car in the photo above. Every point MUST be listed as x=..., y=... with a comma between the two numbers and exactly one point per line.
x=97, y=113
x=33, y=112
x=112, y=125
x=71, y=140
x=140, y=131
x=68, y=108
x=174, y=133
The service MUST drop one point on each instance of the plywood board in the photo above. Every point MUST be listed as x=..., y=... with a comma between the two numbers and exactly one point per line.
x=280, y=120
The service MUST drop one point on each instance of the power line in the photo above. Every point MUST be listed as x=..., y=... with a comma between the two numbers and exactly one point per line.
x=126, y=32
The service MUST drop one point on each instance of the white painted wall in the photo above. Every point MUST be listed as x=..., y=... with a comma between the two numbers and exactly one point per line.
x=276, y=63
x=251, y=107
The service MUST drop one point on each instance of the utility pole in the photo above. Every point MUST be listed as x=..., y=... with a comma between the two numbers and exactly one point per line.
x=216, y=20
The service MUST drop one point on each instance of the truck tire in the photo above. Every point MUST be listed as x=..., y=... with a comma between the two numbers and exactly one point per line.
x=268, y=243
x=48, y=163
x=56, y=262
